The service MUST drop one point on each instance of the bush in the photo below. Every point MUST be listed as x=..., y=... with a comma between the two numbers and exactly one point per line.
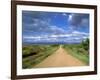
x=85, y=44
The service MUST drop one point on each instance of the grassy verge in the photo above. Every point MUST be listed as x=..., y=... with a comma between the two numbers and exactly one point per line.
x=78, y=52
x=34, y=54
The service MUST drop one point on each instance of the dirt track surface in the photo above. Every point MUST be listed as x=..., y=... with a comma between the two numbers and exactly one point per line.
x=60, y=58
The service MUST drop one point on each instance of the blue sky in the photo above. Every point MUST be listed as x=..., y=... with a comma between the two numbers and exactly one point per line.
x=54, y=27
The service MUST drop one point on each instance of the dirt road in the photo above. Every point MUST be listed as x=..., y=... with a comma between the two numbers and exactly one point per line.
x=60, y=58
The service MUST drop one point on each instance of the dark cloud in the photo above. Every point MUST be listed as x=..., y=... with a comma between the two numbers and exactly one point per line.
x=79, y=20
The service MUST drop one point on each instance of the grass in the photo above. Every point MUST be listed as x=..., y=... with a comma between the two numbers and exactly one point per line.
x=77, y=51
x=34, y=54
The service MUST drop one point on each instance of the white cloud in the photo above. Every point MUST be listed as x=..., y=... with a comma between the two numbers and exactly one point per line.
x=42, y=26
x=32, y=37
x=61, y=35
x=64, y=14
x=73, y=37
x=79, y=33
x=56, y=29
x=70, y=17
x=40, y=29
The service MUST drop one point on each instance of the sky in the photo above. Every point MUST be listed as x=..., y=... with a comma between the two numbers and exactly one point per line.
x=54, y=27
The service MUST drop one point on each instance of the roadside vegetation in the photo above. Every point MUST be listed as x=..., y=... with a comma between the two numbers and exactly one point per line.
x=34, y=54
x=80, y=51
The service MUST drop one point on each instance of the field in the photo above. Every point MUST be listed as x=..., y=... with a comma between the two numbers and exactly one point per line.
x=34, y=54
x=77, y=51
x=80, y=51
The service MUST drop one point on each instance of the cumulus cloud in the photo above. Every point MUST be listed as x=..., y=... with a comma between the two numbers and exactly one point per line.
x=73, y=37
x=37, y=28
x=42, y=26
